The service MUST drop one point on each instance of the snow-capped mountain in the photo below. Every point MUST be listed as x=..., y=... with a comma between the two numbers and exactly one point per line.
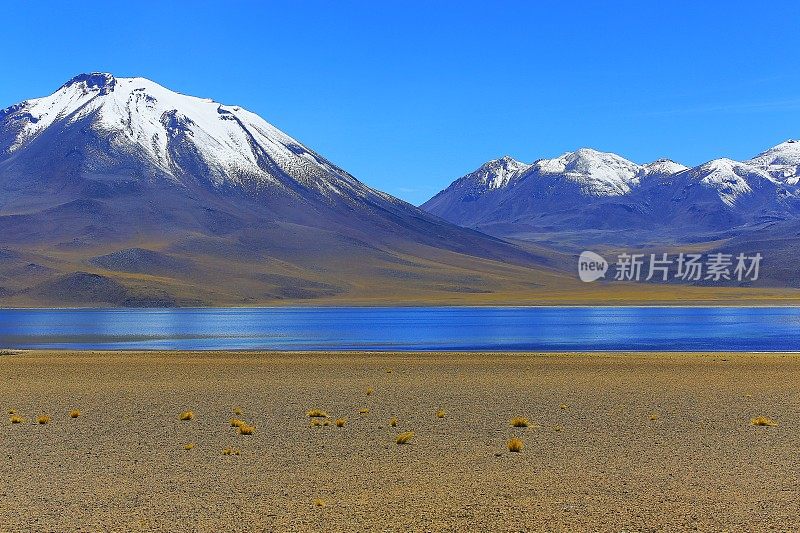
x=781, y=161
x=169, y=136
x=133, y=178
x=591, y=190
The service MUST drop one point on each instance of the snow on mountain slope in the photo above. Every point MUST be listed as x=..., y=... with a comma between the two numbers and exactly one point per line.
x=597, y=173
x=661, y=168
x=177, y=135
x=781, y=161
x=731, y=180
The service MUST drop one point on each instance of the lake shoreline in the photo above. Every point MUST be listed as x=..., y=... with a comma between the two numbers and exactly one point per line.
x=622, y=440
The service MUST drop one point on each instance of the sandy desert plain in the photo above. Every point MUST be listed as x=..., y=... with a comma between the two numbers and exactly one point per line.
x=616, y=442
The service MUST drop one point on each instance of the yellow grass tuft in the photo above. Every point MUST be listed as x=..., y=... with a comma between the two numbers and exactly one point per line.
x=653, y=417
x=441, y=413
x=341, y=422
x=12, y=411
x=404, y=438
x=237, y=411
x=763, y=421
x=188, y=446
x=235, y=423
x=563, y=406
x=74, y=413
x=230, y=451
x=558, y=428
x=43, y=419
x=363, y=411
x=16, y=419
x=520, y=422
x=319, y=502
x=370, y=390
x=245, y=429
x=187, y=415
x=515, y=445
x=318, y=413
x=315, y=422
x=326, y=423
x=393, y=421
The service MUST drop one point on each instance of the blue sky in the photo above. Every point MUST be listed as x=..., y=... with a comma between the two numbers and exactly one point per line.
x=408, y=96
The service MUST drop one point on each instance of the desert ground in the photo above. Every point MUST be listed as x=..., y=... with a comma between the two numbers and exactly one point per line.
x=617, y=441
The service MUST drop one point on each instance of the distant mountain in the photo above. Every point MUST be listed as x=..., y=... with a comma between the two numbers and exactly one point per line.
x=119, y=191
x=606, y=198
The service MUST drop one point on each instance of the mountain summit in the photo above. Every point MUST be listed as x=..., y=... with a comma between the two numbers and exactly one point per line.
x=120, y=191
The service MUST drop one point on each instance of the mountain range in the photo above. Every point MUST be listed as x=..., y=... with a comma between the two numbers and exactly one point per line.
x=602, y=197
x=120, y=192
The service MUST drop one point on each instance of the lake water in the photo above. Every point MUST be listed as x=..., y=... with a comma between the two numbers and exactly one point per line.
x=406, y=328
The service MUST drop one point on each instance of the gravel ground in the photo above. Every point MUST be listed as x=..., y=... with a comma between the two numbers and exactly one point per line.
x=633, y=442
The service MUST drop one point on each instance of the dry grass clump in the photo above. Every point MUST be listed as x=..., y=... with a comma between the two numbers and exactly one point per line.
x=230, y=451
x=188, y=446
x=653, y=417
x=237, y=411
x=404, y=438
x=316, y=413
x=16, y=419
x=370, y=390
x=393, y=421
x=763, y=421
x=563, y=406
x=441, y=413
x=341, y=422
x=237, y=423
x=319, y=502
x=12, y=411
x=187, y=415
x=74, y=413
x=315, y=422
x=515, y=444
x=43, y=419
x=363, y=411
x=520, y=422
x=558, y=428
x=245, y=429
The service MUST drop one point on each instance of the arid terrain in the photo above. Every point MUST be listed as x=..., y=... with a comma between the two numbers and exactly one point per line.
x=623, y=441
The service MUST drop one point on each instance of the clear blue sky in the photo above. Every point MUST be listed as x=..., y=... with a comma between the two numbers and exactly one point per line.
x=408, y=96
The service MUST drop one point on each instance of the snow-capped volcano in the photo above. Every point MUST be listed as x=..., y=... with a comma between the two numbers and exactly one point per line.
x=205, y=201
x=172, y=136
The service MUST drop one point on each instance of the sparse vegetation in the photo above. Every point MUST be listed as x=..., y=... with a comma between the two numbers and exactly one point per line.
x=74, y=413
x=558, y=428
x=188, y=446
x=404, y=438
x=235, y=423
x=341, y=422
x=43, y=419
x=16, y=419
x=315, y=422
x=441, y=413
x=246, y=429
x=563, y=406
x=393, y=422
x=230, y=451
x=763, y=421
x=363, y=411
x=520, y=422
x=187, y=415
x=370, y=390
x=515, y=444
x=319, y=502
x=653, y=417
x=316, y=413
x=237, y=411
